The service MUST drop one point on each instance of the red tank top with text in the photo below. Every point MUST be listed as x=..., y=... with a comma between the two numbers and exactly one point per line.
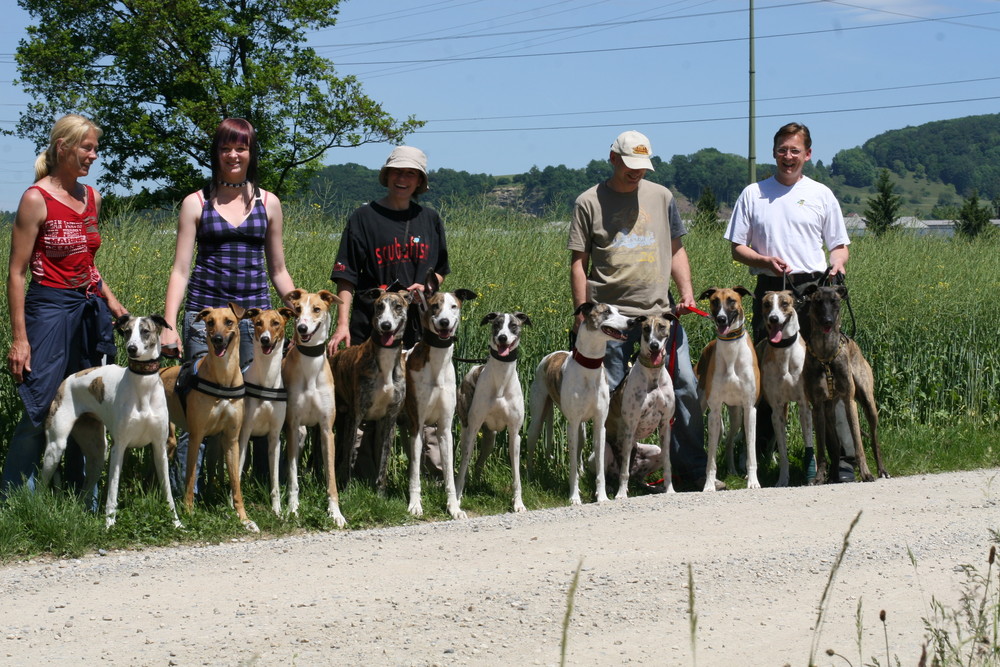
x=63, y=256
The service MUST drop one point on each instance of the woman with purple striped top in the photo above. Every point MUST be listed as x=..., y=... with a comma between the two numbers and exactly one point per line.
x=237, y=229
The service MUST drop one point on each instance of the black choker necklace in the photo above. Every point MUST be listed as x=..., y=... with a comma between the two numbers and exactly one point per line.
x=234, y=185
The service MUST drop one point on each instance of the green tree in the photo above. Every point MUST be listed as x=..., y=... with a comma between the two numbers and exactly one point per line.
x=159, y=76
x=973, y=217
x=882, y=210
x=706, y=209
x=855, y=166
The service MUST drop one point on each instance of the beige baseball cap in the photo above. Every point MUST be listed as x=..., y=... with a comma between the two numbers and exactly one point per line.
x=635, y=150
x=405, y=157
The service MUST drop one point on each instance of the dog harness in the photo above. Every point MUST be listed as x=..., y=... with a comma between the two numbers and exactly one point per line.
x=265, y=393
x=188, y=381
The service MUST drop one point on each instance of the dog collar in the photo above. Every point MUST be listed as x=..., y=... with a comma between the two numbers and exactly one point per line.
x=311, y=350
x=436, y=341
x=647, y=364
x=785, y=342
x=265, y=393
x=511, y=356
x=147, y=367
x=587, y=362
x=736, y=335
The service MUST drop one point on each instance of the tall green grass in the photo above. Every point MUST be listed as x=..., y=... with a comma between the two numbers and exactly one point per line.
x=921, y=305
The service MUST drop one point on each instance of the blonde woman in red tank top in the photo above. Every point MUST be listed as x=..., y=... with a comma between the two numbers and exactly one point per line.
x=62, y=322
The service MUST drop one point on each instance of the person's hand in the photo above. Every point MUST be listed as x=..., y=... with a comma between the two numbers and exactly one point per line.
x=777, y=266
x=170, y=344
x=341, y=334
x=19, y=360
x=685, y=305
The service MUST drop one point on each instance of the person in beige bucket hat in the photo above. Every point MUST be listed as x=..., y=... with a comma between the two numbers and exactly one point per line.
x=405, y=157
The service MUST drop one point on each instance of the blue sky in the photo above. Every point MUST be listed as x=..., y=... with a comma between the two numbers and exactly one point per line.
x=509, y=85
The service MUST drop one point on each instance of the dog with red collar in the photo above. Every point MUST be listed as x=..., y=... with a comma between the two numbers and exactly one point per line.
x=576, y=382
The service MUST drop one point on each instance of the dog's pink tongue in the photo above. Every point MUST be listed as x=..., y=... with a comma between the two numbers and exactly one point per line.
x=388, y=339
x=657, y=358
x=503, y=350
x=776, y=336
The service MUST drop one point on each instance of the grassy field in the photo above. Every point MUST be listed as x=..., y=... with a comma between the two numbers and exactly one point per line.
x=920, y=309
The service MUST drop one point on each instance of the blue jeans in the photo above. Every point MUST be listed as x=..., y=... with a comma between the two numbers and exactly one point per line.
x=687, y=438
x=196, y=347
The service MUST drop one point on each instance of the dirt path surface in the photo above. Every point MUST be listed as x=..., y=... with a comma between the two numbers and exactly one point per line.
x=492, y=590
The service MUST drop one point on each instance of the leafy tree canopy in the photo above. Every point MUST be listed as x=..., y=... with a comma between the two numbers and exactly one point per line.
x=855, y=166
x=159, y=76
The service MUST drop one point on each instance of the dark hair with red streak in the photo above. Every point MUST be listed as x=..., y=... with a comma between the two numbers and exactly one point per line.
x=235, y=130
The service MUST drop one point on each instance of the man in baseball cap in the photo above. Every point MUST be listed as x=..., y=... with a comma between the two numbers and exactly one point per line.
x=625, y=240
x=634, y=149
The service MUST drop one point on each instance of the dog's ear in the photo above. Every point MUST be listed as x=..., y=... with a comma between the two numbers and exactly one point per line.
x=120, y=322
x=287, y=313
x=237, y=309
x=202, y=315
x=251, y=313
x=809, y=290
x=669, y=316
x=329, y=296
x=294, y=295
x=160, y=322
x=369, y=296
x=743, y=291
x=525, y=320
x=707, y=294
x=431, y=283
x=585, y=308
x=637, y=320
x=464, y=295
x=842, y=290
x=489, y=317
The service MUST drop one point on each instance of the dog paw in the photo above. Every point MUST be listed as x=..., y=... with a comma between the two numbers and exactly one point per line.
x=415, y=509
x=458, y=514
x=338, y=519
x=519, y=507
x=251, y=526
x=575, y=501
x=753, y=483
x=709, y=486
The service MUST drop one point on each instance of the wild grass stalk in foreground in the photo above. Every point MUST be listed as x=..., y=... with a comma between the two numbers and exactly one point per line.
x=824, y=600
x=570, y=596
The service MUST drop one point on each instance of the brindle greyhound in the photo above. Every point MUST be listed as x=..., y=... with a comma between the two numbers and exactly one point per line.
x=836, y=371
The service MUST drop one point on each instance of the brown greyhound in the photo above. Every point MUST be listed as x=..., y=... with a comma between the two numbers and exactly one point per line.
x=214, y=404
x=836, y=371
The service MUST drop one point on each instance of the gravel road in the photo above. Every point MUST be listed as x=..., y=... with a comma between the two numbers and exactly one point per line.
x=493, y=590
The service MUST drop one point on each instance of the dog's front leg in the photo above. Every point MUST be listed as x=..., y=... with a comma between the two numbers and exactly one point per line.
x=573, y=437
x=416, y=447
x=191, y=471
x=665, y=435
x=514, y=451
x=448, y=467
x=232, y=455
x=779, y=422
x=274, y=463
x=160, y=462
x=750, y=431
x=329, y=455
x=714, y=434
x=294, y=436
x=114, y=476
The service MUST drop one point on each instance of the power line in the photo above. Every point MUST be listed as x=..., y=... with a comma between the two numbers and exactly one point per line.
x=784, y=114
x=708, y=104
x=706, y=42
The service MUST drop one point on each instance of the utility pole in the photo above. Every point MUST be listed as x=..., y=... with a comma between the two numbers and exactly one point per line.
x=751, y=152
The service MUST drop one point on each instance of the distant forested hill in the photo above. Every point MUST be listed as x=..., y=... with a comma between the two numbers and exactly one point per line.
x=933, y=166
x=963, y=152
